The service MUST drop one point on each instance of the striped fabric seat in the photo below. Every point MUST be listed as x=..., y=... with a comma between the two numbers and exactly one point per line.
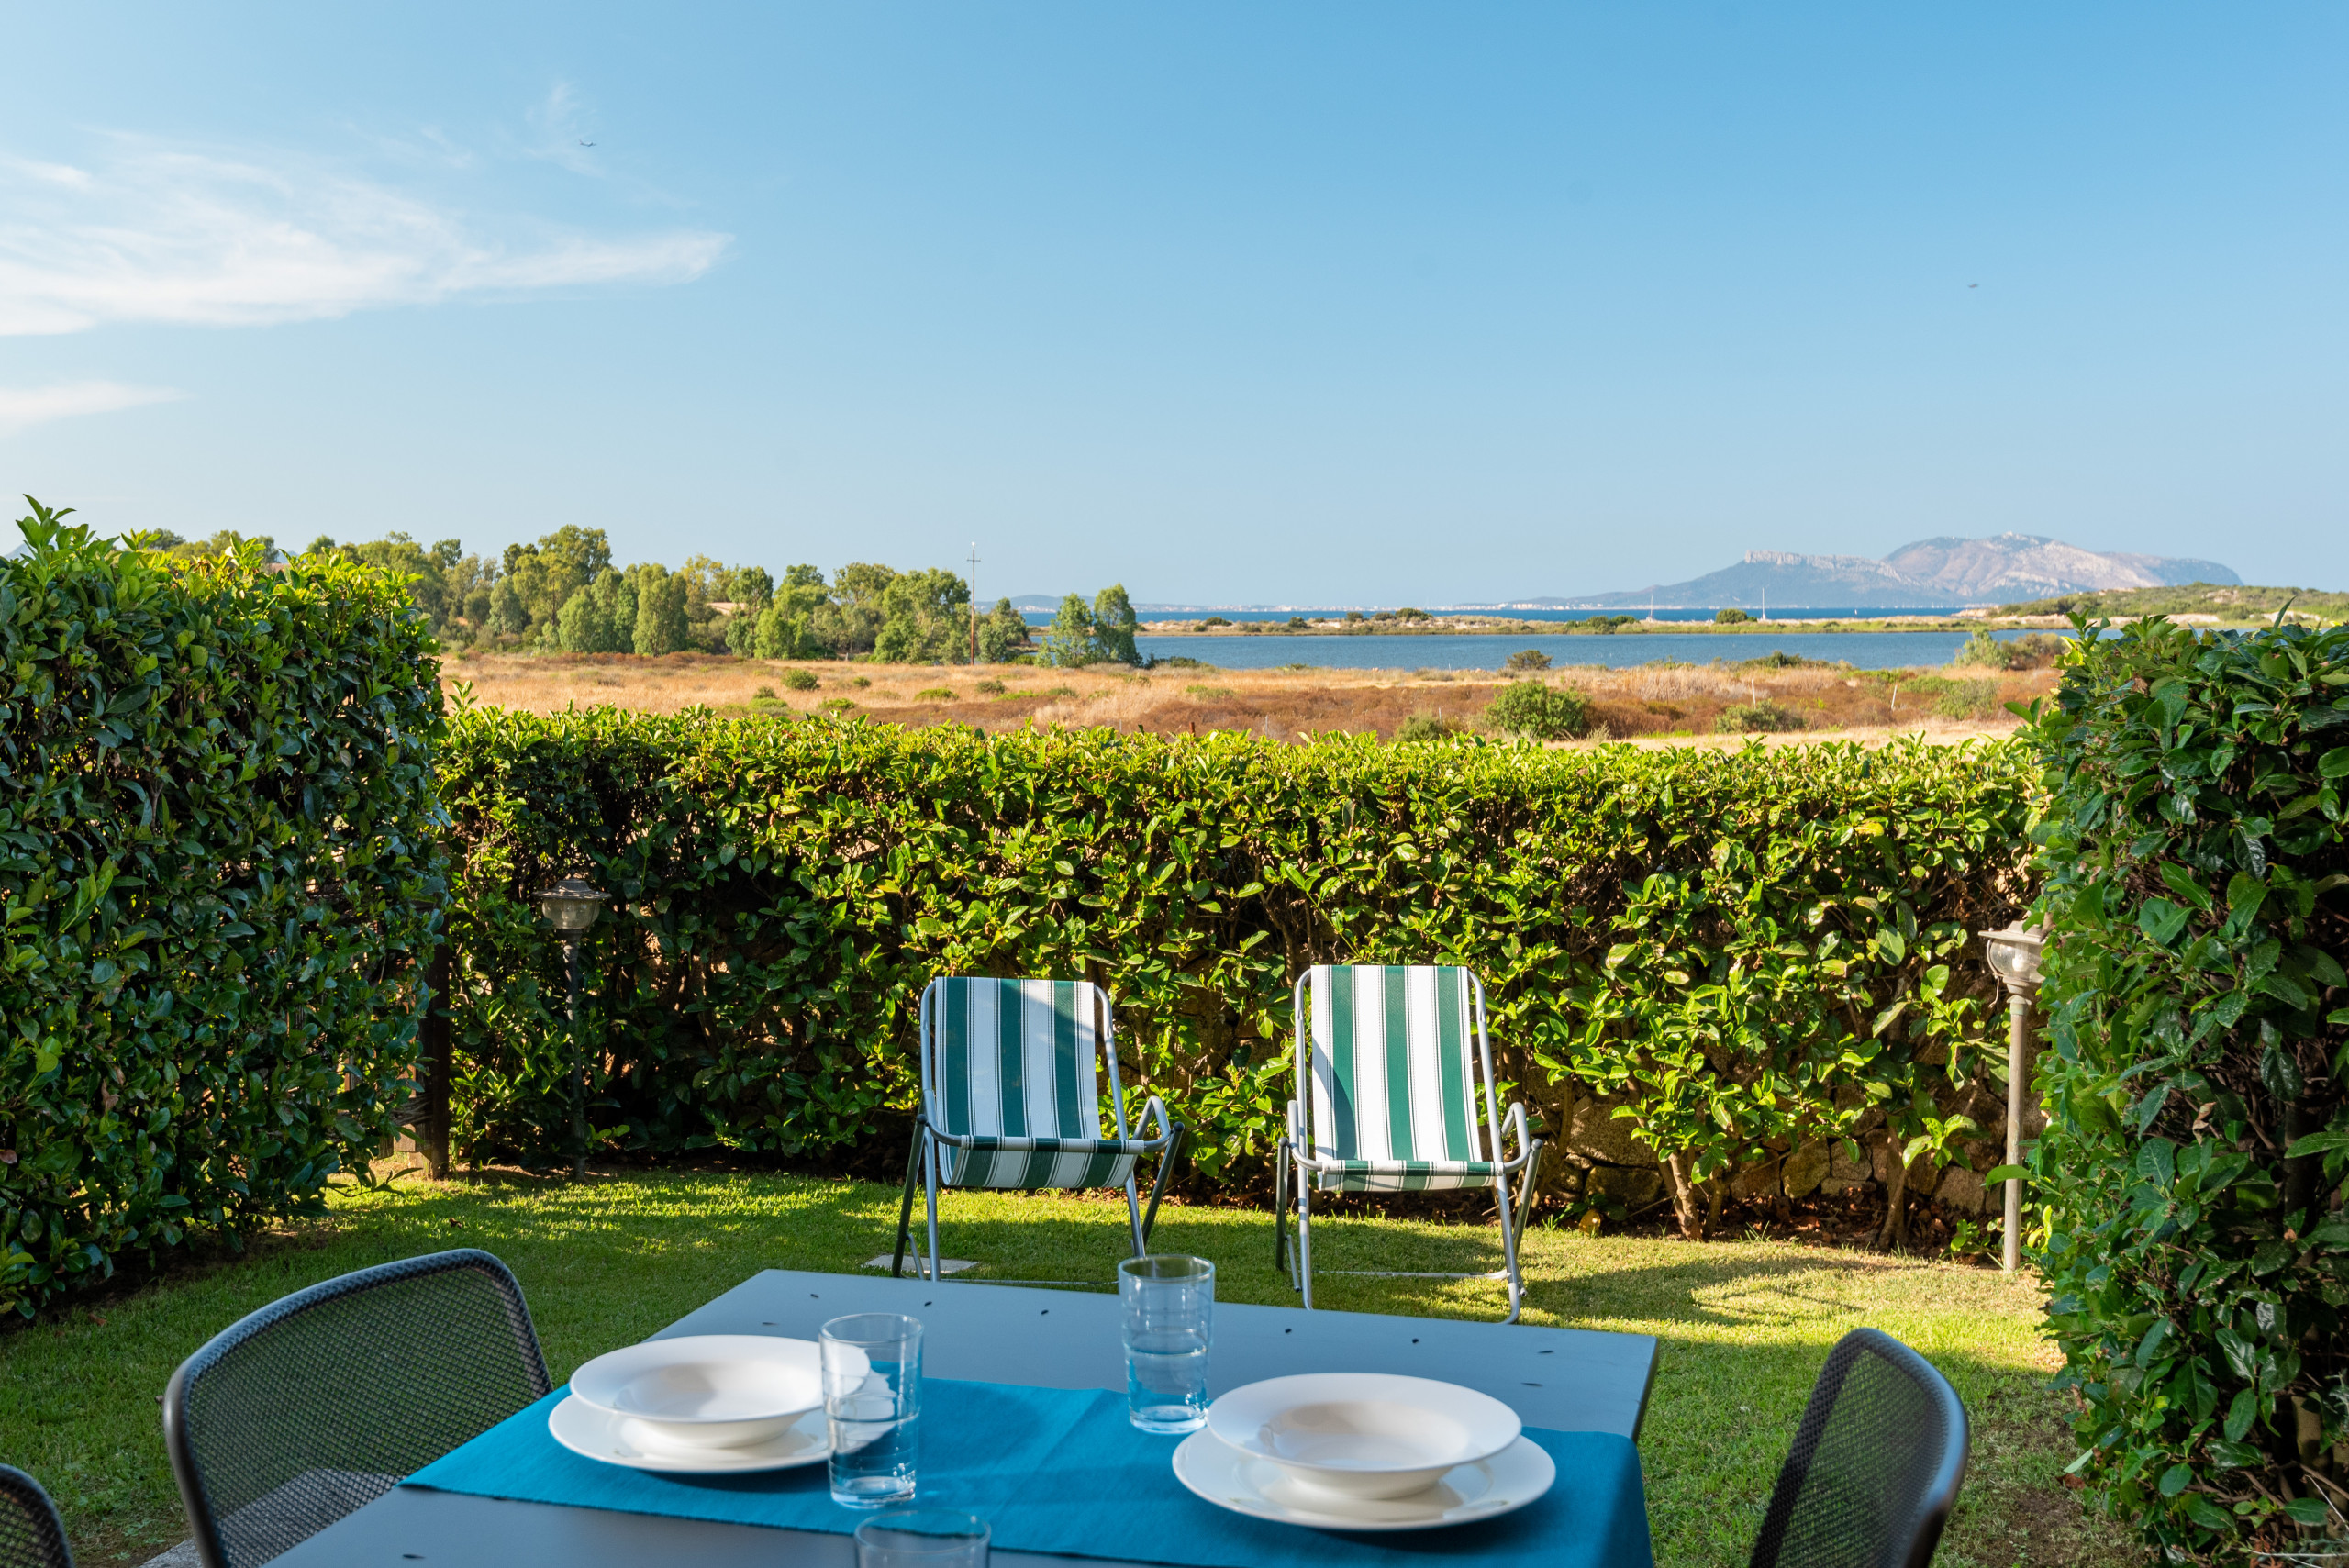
x=1396, y=1106
x=1395, y=1093
x=1011, y=1098
x=1016, y=1073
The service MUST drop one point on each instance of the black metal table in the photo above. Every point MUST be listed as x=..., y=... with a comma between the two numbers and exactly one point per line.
x=1565, y=1379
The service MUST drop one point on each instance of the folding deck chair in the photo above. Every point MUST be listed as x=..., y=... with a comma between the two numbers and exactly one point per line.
x=1010, y=1098
x=1399, y=1102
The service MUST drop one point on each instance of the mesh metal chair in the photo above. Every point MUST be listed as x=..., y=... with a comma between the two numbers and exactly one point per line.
x=1395, y=1093
x=1011, y=1098
x=31, y=1535
x=1875, y=1463
x=318, y=1403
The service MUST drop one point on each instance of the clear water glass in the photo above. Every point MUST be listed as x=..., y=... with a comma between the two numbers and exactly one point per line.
x=921, y=1538
x=1169, y=1320
x=871, y=1368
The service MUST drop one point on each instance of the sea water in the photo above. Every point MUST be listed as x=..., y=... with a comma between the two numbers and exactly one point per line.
x=1166, y=1379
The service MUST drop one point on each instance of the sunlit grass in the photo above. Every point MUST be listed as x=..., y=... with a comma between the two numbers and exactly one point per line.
x=1743, y=1328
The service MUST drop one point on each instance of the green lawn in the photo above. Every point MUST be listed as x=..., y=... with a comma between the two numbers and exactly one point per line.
x=1743, y=1326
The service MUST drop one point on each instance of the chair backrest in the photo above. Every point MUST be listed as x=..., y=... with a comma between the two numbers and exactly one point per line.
x=1018, y=1058
x=318, y=1403
x=31, y=1535
x=1874, y=1466
x=1389, y=1064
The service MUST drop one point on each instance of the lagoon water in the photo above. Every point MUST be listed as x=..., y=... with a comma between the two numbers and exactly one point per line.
x=1862, y=650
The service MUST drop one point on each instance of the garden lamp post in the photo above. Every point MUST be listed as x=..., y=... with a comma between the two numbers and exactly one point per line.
x=571, y=906
x=2013, y=953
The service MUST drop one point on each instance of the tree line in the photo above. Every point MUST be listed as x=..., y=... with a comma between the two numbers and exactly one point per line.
x=563, y=593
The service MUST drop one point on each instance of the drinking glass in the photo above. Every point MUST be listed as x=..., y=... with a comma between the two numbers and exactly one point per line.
x=921, y=1538
x=872, y=1363
x=1170, y=1312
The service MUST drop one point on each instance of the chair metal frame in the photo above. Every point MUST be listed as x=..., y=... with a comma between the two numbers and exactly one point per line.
x=179, y=1441
x=1924, y=1529
x=921, y=1159
x=1294, y=1155
x=26, y=1498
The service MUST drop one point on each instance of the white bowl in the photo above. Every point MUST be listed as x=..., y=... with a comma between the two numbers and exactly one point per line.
x=705, y=1391
x=1363, y=1434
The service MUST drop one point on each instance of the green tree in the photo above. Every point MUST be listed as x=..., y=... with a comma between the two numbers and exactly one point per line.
x=661, y=594
x=1003, y=635
x=547, y=574
x=600, y=617
x=1068, y=641
x=924, y=619
x=508, y=614
x=1113, y=626
x=1100, y=633
x=778, y=634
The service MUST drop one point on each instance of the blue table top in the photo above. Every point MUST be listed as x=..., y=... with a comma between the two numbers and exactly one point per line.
x=1062, y=1470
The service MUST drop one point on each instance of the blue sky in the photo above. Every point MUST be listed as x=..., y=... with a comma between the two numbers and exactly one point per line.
x=1335, y=302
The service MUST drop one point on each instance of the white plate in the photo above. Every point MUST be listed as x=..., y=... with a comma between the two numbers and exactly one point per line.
x=1516, y=1475
x=1368, y=1434
x=615, y=1440
x=707, y=1390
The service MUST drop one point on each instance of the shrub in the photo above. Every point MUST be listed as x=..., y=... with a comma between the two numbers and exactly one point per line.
x=2031, y=651
x=1748, y=947
x=935, y=694
x=1527, y=660
x=219, y=871
x=988, y=688
x=764, y=694
x=798, y=680
x=1210, y=694
x=1765, y=716
x=1536, y=712
x=1731, y=617
x=1967, y=699
x=1424, y=725
x=2192, y=1172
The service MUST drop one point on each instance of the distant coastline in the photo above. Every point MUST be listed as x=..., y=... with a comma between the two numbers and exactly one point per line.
x=1484, y=626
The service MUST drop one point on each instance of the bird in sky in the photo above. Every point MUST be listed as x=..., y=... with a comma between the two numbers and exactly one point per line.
x=591, y=144
x=1969, y=285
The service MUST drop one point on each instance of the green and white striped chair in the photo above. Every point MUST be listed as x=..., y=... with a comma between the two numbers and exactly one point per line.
x=1395, y=1093
x=1010, y=1098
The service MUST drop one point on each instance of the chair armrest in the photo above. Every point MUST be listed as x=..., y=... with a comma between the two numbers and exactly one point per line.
x=1168, y=1127
x=1513, y=1120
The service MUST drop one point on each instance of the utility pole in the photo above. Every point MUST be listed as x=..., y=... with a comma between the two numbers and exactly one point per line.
x=975, y=601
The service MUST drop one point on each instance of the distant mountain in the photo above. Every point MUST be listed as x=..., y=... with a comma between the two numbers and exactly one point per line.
x=1930, y=573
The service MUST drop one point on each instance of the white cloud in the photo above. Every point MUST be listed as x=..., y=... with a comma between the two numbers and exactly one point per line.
x=158, y=234
x=25, y=405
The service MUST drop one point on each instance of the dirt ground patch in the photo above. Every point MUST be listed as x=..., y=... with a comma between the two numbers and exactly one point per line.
x=1651, y=704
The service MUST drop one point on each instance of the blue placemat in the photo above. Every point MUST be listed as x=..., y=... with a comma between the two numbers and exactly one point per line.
x=1062, y=1470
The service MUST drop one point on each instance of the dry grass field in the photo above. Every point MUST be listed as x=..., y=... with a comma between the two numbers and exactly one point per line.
x=1653, y=705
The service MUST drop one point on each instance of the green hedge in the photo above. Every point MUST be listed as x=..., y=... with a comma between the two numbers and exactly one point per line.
x=1755, y=947
x=217, y=859
x=2192, y=1174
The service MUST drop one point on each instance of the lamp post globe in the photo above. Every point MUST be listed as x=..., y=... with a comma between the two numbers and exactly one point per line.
x=571, y=906
x=2013, y=952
